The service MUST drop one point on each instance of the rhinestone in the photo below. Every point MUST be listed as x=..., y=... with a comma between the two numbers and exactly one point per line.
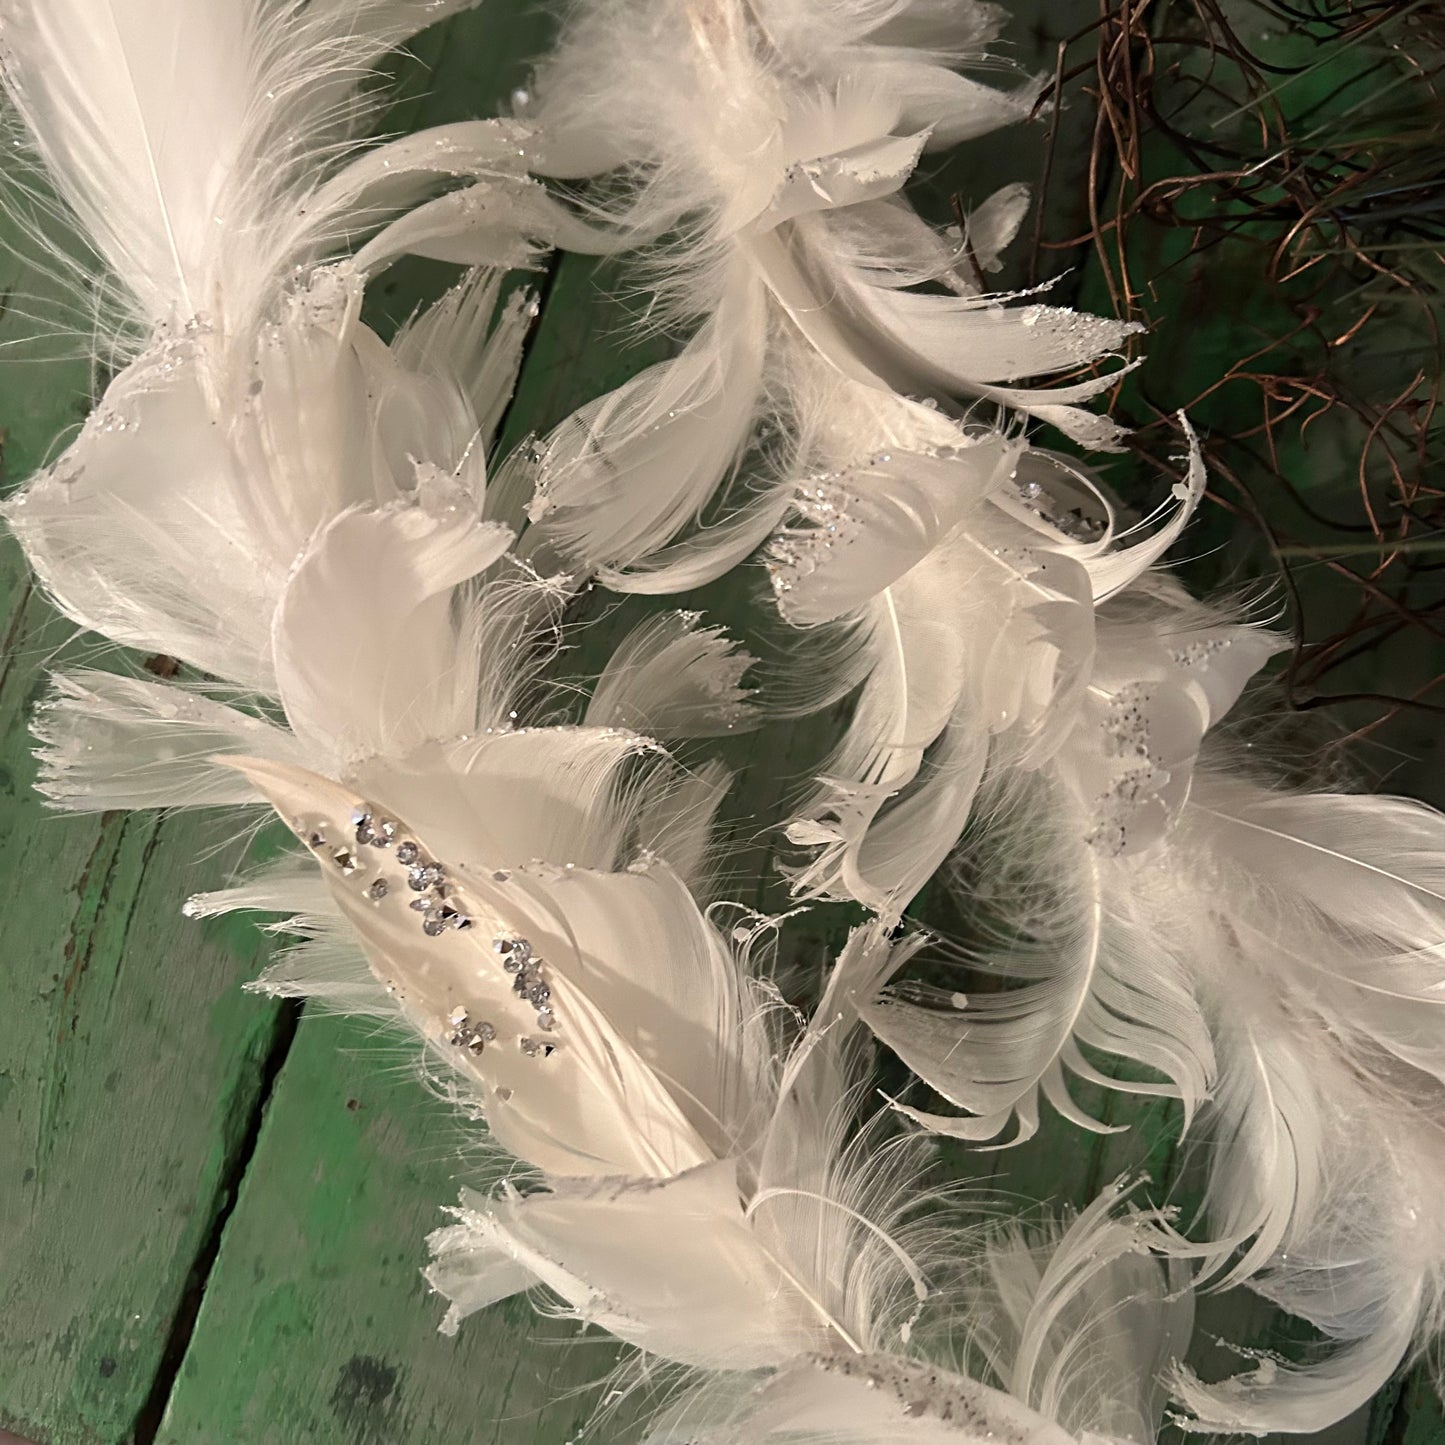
x=432, y=925
x=363, y=831
x=546, y=1020
x=486, y=1032
x=407, y=853
x=530, y=1047
x=345, y=860
x=457, y=1017
x=476, y=1043
x=379, y=889
x=316, y=840
x=539, y=995
x=420, y=905
x=381, y=833
x=424, y=875
x=360, y=816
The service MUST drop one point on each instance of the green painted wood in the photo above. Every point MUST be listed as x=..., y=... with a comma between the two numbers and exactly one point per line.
x=313, y=1323
x=129, y=1060
x=316, y=1325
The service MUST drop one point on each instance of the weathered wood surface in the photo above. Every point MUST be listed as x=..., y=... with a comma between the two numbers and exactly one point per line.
x=211, y=1216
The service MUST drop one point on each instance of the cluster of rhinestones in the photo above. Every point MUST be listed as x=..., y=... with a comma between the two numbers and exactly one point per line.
x=1074, y=523
x=428, y=879
x=1127, y=738
x=467, y=1034
x=1199, y=651
x=922, y=1390
x=528, y=982
x=440, y=912
x=796, y=551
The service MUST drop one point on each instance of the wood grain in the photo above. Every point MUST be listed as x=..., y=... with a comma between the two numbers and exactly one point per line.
x=210, y=1230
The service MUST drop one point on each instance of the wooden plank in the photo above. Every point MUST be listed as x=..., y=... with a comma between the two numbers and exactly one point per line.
x=129, y=1060
x=316, y=1325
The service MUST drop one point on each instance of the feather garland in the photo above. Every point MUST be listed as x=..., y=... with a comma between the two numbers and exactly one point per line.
x=275, y=497
x=772, y=140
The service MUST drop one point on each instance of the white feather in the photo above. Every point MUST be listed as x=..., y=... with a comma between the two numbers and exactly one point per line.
x=773, y=140
x=203, y=147
x=1082, y=1323
x=623, y=475
x=671, y=678
x=1071, y=1333
x=107, y=741
x=364, y=634
x=173, y=520
x=671, y=1266
x=963, y=636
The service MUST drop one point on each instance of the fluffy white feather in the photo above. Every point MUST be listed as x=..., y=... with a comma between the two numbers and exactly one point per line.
x=1070, y=1336
x=1083, y=891
x=672, y=678
x=772, y=140
x=1277, y=952
x=790, y=1240
x=109, y=741
x=1322, y=980
x=206, y=149
x=969, y=573
x=172, y=522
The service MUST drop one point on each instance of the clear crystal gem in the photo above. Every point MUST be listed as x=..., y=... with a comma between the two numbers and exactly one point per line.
x=379, y=889
x=516, y=953
x=407, y=853
x=423, y=876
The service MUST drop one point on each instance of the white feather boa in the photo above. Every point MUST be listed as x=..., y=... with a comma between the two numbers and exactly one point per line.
x=274, y=496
